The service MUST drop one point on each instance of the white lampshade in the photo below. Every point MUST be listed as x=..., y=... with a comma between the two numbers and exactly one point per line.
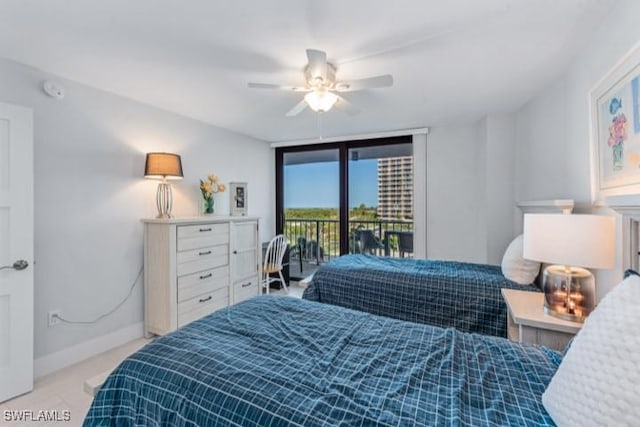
x=320, y=100
x=570, y=240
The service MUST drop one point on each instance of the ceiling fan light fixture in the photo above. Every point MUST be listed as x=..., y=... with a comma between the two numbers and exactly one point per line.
x=321, y=83
x=321, y=100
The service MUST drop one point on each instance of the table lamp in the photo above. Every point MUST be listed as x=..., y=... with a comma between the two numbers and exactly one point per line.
x=163, y=166
x=572, y=243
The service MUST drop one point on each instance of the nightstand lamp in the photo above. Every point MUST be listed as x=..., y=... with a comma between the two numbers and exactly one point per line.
x=572, y=243
x=163, y=166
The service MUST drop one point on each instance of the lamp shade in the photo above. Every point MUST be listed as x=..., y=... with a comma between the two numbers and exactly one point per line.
x=570, y=240
x=163, y=165
x=320, y=100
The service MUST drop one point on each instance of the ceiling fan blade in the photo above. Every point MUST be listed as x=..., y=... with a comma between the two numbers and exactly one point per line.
x=385, y=80
x=278, y=87
x=300, y=106
x=346, y=106
x=317, y=63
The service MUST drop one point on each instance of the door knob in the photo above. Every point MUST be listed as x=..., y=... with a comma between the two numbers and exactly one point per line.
x=18, y=265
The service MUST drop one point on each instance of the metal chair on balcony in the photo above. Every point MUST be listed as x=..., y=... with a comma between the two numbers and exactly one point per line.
x=305, y=251
x=368, y=242
x=298, y=250
x=314, y=250
x=273, y=263
x=405, y=243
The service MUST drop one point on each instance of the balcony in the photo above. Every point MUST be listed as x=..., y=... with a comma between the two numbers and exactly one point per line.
x=315, y=241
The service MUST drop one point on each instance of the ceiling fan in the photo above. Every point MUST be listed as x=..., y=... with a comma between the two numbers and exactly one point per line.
x=321, y=86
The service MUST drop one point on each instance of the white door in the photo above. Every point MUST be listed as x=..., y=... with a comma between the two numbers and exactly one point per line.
x=244, y=250
x=16, y=248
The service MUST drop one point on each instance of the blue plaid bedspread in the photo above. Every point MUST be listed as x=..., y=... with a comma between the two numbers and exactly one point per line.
x=281, y=361
x=441, y=293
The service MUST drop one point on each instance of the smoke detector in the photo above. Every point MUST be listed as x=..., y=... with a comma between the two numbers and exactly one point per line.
x=53, y=89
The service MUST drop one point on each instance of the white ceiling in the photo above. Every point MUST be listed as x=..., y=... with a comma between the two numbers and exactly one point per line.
x=452, y=61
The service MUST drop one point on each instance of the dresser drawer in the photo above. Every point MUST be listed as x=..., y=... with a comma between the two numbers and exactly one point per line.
x=245, y=289
x=202, y=236
x=191, y=285
x=189, y=231
x=203, y=304
x=202, y=259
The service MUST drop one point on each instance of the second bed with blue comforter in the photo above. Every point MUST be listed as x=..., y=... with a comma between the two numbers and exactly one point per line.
x=280, y=361
x=442, y=293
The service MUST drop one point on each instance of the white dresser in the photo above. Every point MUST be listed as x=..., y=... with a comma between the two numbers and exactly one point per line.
x=195, y=266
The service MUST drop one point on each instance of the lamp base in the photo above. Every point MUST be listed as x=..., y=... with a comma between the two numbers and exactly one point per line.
x=569, y=292
x=164, y=200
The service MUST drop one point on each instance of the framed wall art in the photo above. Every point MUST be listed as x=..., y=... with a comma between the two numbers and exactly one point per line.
x=239, y=200
x=615, y=130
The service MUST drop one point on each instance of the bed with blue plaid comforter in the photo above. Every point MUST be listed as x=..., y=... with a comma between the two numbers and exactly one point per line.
x=442, y=293
x=281, y=361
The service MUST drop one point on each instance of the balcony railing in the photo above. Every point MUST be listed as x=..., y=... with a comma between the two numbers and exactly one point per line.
x=319, y=239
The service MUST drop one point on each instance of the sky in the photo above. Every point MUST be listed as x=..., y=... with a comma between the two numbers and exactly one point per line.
x=315, y=185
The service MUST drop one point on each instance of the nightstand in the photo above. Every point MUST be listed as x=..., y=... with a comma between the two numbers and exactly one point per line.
x=527, y=321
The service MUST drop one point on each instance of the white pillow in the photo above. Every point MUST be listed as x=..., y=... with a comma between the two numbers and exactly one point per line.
x=516, y=268
x=598, y=381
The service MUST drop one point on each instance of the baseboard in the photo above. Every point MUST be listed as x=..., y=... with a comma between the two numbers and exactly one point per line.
x=50, y=363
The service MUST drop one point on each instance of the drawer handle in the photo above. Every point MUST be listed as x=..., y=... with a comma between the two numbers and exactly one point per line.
x=204, y=230
x=235, y=252
x=205, y=299
x=204, y=253
x=206, y=276
x=244, y=285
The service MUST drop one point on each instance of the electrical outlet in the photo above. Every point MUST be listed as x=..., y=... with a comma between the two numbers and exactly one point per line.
x=53, y=318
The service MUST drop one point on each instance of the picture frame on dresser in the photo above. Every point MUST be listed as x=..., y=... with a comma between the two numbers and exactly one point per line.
x=239, y=201
x=615, y=130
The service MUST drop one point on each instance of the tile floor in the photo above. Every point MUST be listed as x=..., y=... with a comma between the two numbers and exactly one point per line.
x=64, y=389
x=294, y=290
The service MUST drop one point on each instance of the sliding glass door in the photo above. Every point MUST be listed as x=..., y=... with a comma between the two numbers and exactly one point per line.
x=311, y=208
x=346, y=197
x=381, y=200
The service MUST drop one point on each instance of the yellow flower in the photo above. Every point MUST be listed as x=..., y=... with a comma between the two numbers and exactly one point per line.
x=210, y=186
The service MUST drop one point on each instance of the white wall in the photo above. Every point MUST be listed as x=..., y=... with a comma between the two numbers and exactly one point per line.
x=542, y=155
x=90, y=195
x=420, y=182
x=500, y=201
x=480, y=192
x=553, y=129
x=452, y=188
x=470, y=190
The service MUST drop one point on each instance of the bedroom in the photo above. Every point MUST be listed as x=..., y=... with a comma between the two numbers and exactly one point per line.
x=525, y=137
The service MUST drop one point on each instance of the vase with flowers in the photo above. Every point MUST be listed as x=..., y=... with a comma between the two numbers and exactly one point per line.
x=209, y=187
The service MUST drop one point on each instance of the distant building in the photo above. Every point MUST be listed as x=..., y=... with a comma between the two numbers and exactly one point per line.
x=395, y=188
